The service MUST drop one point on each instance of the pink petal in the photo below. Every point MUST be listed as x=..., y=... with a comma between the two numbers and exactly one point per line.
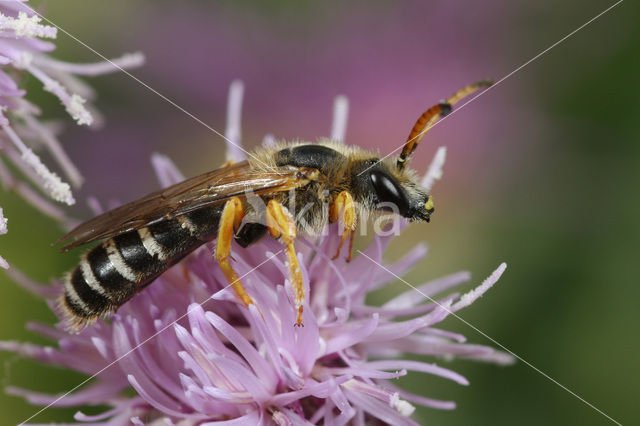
x=159, y=400
x=414, y=296
x=427, y=402
x=254, y=359
x=378, y=409
x=166, y=171
x=396, y=330
x=251, y=419
x=417, y=366
x=473, y=295
x=320, y=390
x=97, y=393
x=349, y=336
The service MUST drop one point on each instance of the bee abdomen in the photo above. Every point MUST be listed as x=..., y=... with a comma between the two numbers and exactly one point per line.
x=102, y=281
x=113, y=272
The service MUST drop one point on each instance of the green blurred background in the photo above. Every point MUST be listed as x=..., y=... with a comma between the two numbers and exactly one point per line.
x=541, y=171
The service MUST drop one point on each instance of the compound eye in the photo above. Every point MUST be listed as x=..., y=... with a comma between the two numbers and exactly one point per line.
x=389, y=191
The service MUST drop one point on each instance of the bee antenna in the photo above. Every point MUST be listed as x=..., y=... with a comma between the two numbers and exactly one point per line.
x=429, y=118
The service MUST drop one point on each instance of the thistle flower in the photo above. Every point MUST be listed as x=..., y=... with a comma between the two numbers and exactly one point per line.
x=195, y=355
x=3, y=230
x=23, y=50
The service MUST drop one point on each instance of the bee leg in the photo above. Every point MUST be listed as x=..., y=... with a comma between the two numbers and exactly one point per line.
x=230, y=219
x=350, y=247
x=343, y=209
x=227, y=164
x=282, y=227
x=185, y=272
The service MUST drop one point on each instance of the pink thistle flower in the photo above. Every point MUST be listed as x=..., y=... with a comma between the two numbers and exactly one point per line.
x=24, y=50
x=195, y=355
x=3, y=230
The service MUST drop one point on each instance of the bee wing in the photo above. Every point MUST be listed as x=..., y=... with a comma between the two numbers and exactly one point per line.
x=208, y=189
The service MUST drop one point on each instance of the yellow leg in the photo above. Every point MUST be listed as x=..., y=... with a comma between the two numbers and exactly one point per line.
x=344, y=210
x=230, y=220
x=282, y=227
x=350, y=247
x=227, y=164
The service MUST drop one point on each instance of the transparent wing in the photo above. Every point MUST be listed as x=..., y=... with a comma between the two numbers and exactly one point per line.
x=205, y=190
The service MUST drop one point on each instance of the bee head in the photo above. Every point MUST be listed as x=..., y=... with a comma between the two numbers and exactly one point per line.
x=388, y=188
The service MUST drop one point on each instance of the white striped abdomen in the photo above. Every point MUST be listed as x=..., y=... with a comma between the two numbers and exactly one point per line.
x=114, y=271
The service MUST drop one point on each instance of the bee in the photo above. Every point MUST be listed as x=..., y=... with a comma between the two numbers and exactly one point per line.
x=143, y=238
